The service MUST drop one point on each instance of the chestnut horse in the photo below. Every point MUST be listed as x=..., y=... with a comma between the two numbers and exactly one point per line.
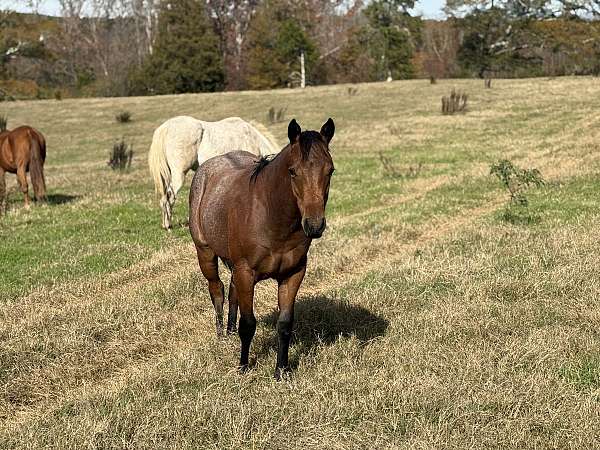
x=259, y=218
x=23, y=150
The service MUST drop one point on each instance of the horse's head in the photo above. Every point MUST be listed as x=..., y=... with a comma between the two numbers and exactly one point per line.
x=310, y=169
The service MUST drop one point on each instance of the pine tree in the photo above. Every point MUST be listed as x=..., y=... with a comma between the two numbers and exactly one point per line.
x=186, y=56
x=275, y=42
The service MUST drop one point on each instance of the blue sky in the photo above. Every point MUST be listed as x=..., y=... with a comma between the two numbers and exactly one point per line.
x=431, y=9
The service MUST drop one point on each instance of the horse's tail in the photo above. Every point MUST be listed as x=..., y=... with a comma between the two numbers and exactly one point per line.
x=269, y=143
x=157, y=161
x=36, y=165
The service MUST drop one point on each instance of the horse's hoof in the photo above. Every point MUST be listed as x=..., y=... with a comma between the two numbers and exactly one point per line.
x=281, y=373
x=244, y=368
x=231, y=330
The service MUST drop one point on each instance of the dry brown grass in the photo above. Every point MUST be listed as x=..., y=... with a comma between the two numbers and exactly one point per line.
x=423, y=322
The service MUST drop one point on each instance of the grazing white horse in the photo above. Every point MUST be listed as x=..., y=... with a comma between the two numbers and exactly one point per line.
x=183, y=143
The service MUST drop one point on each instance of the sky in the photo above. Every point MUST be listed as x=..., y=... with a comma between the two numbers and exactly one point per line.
x=430, y=9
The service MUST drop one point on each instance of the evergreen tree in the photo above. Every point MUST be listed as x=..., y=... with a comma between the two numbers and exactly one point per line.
x=186, y=56
x=391, y=36
x=275, y=42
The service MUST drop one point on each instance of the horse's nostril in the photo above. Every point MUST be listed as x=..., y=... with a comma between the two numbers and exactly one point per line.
x=323, y=225
x=314, y=227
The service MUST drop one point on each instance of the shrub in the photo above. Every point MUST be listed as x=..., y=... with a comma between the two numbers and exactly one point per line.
x=58, y=95
x=121, y=155
x=276, y=115
x=432, y=80
x=456, y=102
x=123, y=117
x=516, y=180
x=3, y=123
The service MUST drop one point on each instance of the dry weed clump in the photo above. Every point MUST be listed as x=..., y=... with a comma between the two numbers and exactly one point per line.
x=121, y=155
x=392, y=170
x=456, y=102
x=123, y=117
x=276, y=115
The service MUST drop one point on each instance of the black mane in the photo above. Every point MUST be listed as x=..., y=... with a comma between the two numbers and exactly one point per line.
x=260, y=165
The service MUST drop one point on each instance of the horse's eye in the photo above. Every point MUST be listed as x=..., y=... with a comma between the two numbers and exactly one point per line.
x=292, y=172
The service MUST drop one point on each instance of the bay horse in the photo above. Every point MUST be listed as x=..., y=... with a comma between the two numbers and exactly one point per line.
x=259, y=218
x=183, y=143
x=23, y=150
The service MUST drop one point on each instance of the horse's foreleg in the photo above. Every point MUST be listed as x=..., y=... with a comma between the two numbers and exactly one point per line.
x=2, y=192
x=233, y=308
x=286, y=296
x=22, y=177
x=243, y=279
x=209, y=265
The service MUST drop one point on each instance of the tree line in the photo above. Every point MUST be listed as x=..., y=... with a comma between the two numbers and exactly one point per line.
x=146, y=47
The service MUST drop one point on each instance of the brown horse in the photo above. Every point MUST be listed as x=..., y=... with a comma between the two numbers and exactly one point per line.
x=21, y=150
x=260, y=219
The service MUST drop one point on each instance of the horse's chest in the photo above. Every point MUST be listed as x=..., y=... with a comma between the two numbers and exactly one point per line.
x=280, y=263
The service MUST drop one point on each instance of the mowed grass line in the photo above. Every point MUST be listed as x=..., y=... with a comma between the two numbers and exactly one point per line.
x=406, y=310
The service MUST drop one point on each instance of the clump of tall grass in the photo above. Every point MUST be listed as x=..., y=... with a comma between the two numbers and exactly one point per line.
x=121, y=155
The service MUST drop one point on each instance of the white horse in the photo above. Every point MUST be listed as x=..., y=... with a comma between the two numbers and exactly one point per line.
x=183, y=143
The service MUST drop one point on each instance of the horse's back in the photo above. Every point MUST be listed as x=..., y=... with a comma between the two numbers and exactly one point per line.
x=231, y=134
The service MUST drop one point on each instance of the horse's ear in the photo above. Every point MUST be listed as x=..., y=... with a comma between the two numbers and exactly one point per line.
x=328, y=129
x=293, y=131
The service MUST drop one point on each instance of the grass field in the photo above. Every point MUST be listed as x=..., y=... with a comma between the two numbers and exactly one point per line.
x=425, y=319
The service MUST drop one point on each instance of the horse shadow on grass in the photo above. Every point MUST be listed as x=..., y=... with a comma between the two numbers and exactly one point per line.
x=60, y=199
x=321, y=320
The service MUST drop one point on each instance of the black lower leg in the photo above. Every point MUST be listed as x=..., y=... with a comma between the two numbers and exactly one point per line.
x=233, y=309
x=284, y=332
x=246, y=331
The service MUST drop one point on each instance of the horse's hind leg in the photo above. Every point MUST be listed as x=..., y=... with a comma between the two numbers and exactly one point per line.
x=2, y=192
x=209, y=265
x=233, y=309
x=22, y=177
x=177, y=180
x=166, y=211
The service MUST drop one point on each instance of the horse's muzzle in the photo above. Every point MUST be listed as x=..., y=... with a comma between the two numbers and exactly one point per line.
x=313, y=228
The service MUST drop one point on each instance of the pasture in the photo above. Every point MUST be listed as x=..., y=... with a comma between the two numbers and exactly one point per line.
x=425, y=319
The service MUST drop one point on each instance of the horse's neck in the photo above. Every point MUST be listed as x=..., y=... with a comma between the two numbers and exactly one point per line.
x=275, y=183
